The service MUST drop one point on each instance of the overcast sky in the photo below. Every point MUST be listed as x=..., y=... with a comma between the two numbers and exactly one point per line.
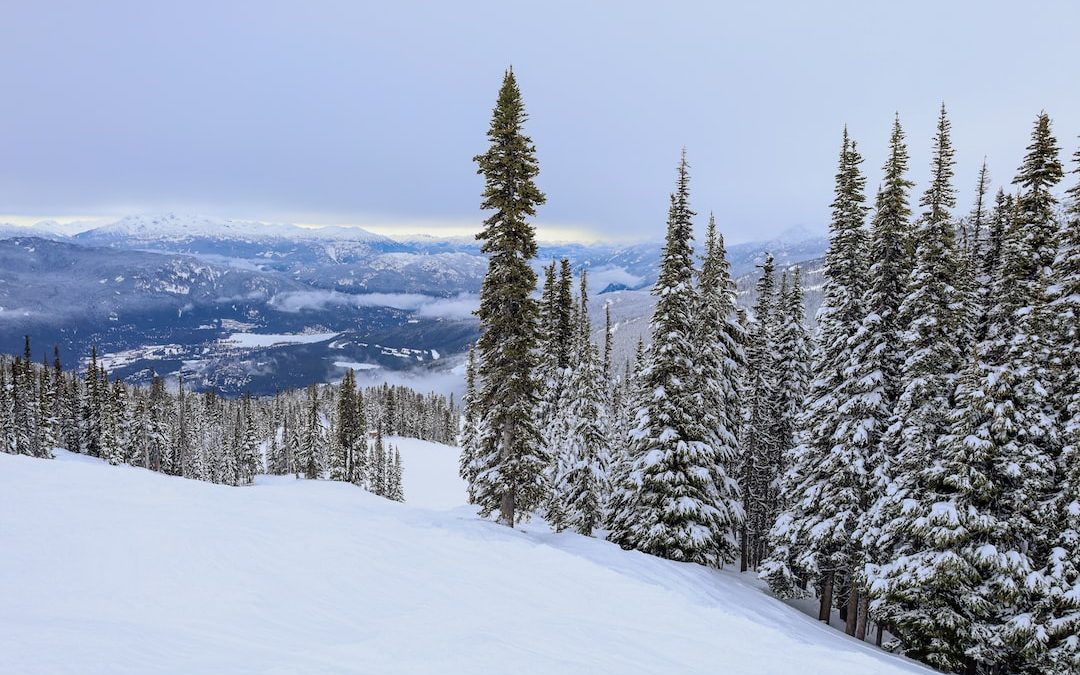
x=370, y=113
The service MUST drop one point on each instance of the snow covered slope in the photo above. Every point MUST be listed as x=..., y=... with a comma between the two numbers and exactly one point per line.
x=431, y=473
x=119, y=570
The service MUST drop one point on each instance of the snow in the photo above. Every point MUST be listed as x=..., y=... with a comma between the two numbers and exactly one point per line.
x=121, y=570
x=431, y=473
x=253, y=340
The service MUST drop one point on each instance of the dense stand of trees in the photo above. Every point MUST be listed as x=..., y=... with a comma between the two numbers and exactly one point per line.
x=915, y=465
x=331, y=431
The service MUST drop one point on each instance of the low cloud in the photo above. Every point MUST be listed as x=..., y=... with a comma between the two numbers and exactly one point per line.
x=459, y=306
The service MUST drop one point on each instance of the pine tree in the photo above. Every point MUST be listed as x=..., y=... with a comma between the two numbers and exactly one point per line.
x=673, y=512
x=1054, y=627
x=582, y=478
x=509, y=460
x=250, y=459
x=90, y=409
x=348, y=461
x=312, y=442
x=112, y=450
x=468, y=439
x=793, y=366
x=826, y=481
x=396, y=489
x=379, y=475
x=760, y=460
x=719, y=341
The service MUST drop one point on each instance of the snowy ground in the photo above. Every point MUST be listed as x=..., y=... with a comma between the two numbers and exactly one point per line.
x=119, y=570
x=431, y=473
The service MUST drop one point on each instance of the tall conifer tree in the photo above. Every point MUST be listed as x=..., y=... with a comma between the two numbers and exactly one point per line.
x=509, y=458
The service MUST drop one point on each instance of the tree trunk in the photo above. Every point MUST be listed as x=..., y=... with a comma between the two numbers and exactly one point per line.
x=852, y=617
x=506, y=504
x=826, y=597
x=506, y=509
x=860, y=625
x=879, y=635
x=744, y=550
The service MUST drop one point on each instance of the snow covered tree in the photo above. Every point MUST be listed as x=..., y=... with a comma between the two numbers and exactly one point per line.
x=469, y=413
x=509, y=459
x=395, y=474
x=580, y=485
x=719, y=342
x=760, y=447
x=674, y=510
x=379, y=479
x=250, y=457
x=351, y=433
x=112, y=448
x=792, y=368
x=1053, y=629
x=826, y=480
x=312, y=458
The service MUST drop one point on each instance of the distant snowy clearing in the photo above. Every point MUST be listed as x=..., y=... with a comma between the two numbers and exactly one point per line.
x=253, y=340
x=121, y=570
x=431, y=473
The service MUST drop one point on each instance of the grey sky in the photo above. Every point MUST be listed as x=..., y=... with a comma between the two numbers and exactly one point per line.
x=370, y=113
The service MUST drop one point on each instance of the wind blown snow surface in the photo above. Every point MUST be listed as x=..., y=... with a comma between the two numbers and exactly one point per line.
x=120, y=570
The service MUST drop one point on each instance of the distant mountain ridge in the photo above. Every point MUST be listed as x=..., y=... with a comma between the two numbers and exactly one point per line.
x=189, y=281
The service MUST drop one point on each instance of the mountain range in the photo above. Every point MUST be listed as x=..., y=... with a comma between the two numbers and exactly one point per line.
x=247, y=306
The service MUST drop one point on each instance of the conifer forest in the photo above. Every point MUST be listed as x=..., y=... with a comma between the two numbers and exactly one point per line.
x=913, y=463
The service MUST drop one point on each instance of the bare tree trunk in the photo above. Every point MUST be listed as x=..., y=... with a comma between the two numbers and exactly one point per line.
x=506, y=503
x=879, y=635
x=860, y=625
x=852, y=610
x=744, y=549
x=826, y=597
x=506, y=509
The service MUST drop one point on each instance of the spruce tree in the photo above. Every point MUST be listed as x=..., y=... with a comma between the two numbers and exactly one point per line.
x=1054, y=625
x=826, y=481
x=760, y=447
x=509, y=459
x=582, y=476
x=468, y=438
x=674, y=510
x=719, y=342
x=793, y=364
x=396, y=489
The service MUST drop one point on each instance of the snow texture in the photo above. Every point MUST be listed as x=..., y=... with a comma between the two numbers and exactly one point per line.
x=121, y=570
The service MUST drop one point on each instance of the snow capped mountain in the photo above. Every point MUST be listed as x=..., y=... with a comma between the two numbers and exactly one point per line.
x=187, y=281
x=44, y=229
x=172, y=227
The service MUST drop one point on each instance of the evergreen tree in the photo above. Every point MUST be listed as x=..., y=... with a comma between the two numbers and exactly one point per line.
x=1052, y=632
x=673, y=512
x=250, y=459
x=468, y=439
x=719, y=340
x=396, y=490
x=793, y=366
x=761, y=448
x=350, y=437
x=826, y=481
x=509, y=459
x=379, y=475
x=581, y=486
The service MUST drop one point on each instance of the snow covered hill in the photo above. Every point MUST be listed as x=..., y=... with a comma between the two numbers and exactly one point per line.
x=120, y=570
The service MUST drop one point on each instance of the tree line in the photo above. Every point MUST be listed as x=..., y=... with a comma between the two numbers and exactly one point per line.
x=915, y=464
x=330, y=432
